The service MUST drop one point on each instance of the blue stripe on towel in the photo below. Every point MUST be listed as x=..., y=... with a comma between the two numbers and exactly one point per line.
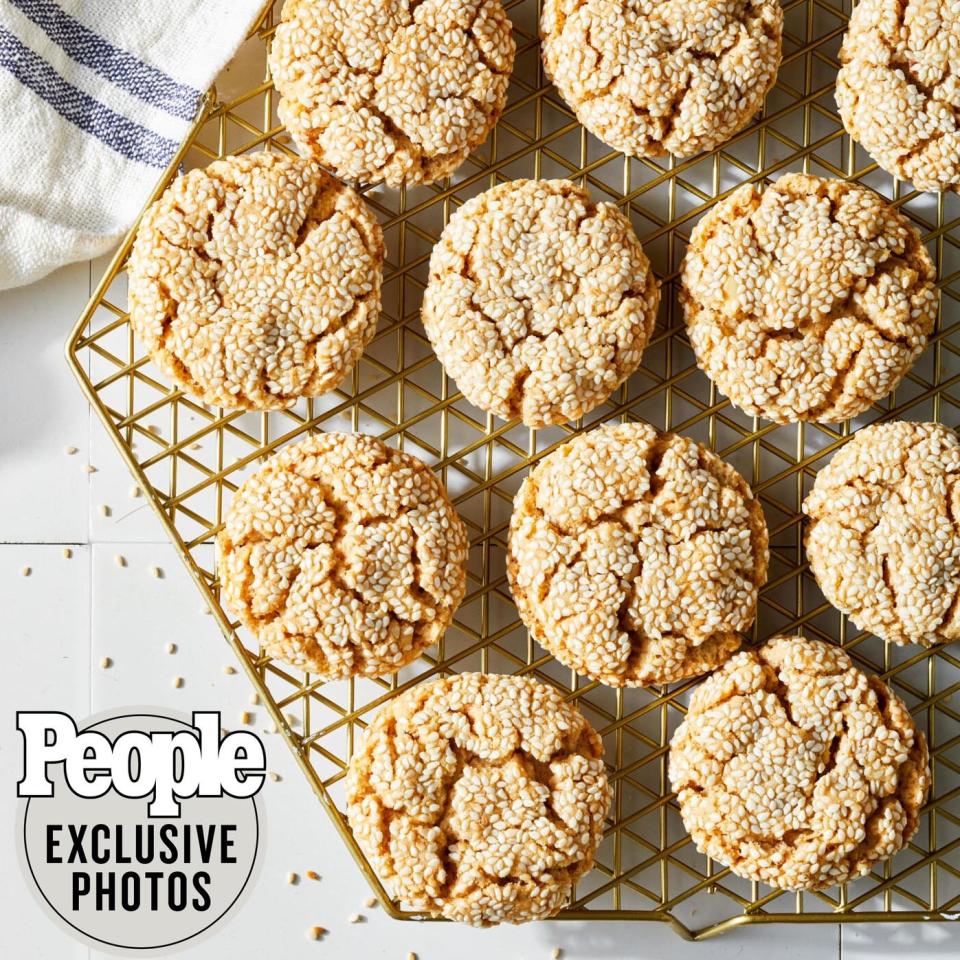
x=126, y=137
x=118, y=66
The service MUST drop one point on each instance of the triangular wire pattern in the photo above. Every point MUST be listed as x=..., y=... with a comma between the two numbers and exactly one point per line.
x=190, y=459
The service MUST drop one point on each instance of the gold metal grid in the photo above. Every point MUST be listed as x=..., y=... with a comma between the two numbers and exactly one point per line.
x=189, y=459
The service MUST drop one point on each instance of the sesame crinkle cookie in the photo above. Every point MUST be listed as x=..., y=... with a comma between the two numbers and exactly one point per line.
x=539, y=302
x=635, y=557
x=256, y=281
x=808, y=300
x=898, y=88
x=654, y=76
x=343, y=556
x=883, y=537
x=479, y=798
x=796, y=769
x=393, y=90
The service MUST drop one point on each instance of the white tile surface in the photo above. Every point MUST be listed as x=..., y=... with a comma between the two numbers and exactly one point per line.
x=47, y=638
x=69, y=614
x=43, y=411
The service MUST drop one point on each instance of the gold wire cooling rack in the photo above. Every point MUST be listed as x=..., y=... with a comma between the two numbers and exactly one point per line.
x=189, y=459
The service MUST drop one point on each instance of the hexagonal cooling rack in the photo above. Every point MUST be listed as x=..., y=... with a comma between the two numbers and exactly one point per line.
x=189, y=459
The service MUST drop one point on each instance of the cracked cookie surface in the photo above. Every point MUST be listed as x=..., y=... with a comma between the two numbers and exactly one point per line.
x=391, y=90
x=539, y=302
x=343, y=556
x=636, y=557
x=796, y=769
x=480, y=798
x=898, y=89
x=650, y=77
x=883, y=539
x=808, y=300
x=256, y=281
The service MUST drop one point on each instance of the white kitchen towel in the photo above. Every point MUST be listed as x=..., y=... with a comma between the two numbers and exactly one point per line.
x=95, y=99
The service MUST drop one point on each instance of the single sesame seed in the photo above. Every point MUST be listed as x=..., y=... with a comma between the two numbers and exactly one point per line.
x=106, y=663
x=177, y=682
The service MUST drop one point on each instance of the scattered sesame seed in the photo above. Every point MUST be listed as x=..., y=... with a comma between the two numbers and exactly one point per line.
x=171, y=648
x=315, y=933
x=106, y=663
x=120, y=560
x=312, y=875
x=104, y=510
x=275, y=777
x=26, y=571
x=156, y=572
x=177, y=682
x=293, y=878
x=229, y=670
x=356, y=918
x=89, y=468
x=370, y=902
x=556, y=953
x=135, y=491
x=411, y=956
x=255, y=698
x=69, y=451
x=66, y=553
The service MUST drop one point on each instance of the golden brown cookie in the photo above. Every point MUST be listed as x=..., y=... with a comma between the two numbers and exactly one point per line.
x=883, y=539
x=343, y=556
x=256, y=281
x=480, y=798
x=796, y=769
x=540, y=302
x=649, y=77
x=898, y=84
x=808, y=300
x=391, y=90
x=636, y=557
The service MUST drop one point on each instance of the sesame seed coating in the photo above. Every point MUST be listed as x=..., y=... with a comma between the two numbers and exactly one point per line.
x=635, y=557
x=392, y=90
x=539, y=302
x=649, y=77
x=343, y=556
x=480, y=798
x=256, y=281
x=808, y=300
x=796, y=769
x=898, y=88
x=883, y=538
